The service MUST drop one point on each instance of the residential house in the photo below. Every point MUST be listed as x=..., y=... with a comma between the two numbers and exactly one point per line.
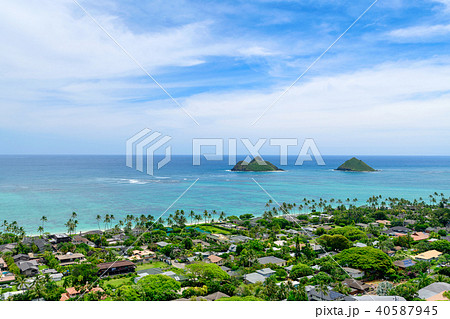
x=28, y=268
x=428, y=255
x=405, y=263
x=81, y=240
x=272, y=260
x=232, y=248
x=219, y=238
x=331, y=295
x=419, y=236
x=291, y=219
x=266, y=272
x=60, y=238
x=7, y=248
x=162, y=244
x=3, y=265
x=175, y=276
x=438, y=297
x=378, y=298
x=204, y=244
x=354, y=273
x=70, y=258
x=400, y=230
x=73, y=293
x=116, y=268
x=254, y=277
x=41, y=243
x=433, y=290
x=142, y=255
x=6, y=277
x=316, y=247
x=292, y=232
x=215, y=260
x=53, y=274
x=279, y=243
x=48, y=271
x=383, y=222
x=356, y=286
x=21, y=257
x=239, y=239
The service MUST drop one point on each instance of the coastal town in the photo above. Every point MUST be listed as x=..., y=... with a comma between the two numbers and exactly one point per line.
x=389, y=249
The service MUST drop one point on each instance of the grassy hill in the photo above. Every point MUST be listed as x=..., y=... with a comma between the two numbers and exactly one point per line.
x=255, y=165
x=355, y=165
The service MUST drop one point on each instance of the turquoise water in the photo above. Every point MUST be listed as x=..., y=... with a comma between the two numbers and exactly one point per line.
x=55, y=186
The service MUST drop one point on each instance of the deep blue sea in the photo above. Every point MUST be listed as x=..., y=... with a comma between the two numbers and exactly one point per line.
x=55, y=186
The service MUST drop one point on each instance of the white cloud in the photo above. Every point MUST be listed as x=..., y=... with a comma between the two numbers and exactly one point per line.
x=54, y=39
x=419, y=33
x=391, y=109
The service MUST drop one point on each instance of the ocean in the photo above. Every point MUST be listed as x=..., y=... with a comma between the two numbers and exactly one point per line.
x=56, y=186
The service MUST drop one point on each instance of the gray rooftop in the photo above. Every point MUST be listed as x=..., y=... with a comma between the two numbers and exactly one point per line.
x=433, y=289
x=254, y=278
x=266, y=271
x=270, y=260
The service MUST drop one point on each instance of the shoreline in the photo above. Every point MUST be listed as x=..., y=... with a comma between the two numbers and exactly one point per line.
x=34, y=234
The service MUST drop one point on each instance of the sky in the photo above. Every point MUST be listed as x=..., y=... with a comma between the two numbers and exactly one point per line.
x=68, y=88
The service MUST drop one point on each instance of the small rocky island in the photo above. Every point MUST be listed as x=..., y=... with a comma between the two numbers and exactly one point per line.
x=256, y=165
x=355, y=165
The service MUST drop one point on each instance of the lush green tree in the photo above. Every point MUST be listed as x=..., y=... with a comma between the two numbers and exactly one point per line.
x=245, y=216
x=127, y=293
x=195, y=291
x=441, y=245
x=206, y=272
x=80, y=274
x=187, y=243
x=159, y=287
x=280, y=274
x=369, y=259
x=300, y=270
x=335, y=242
x=406, y=290
x=321, y=278
x=351, y=232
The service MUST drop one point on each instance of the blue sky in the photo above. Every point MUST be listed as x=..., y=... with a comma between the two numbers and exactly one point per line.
x=66, y=88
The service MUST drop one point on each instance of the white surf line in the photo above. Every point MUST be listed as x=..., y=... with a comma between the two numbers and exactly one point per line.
x=139, y=237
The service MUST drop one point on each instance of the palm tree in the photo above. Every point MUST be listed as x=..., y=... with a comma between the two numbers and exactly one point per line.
x=21, y=281
x=98, y=218
x=222, y=216
x=107, y=220
x=4, y=225
x=74, y=215
x=205, y=214
x=40, y=230
x=198, y=218
x=43, y=220
x=322, y=287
